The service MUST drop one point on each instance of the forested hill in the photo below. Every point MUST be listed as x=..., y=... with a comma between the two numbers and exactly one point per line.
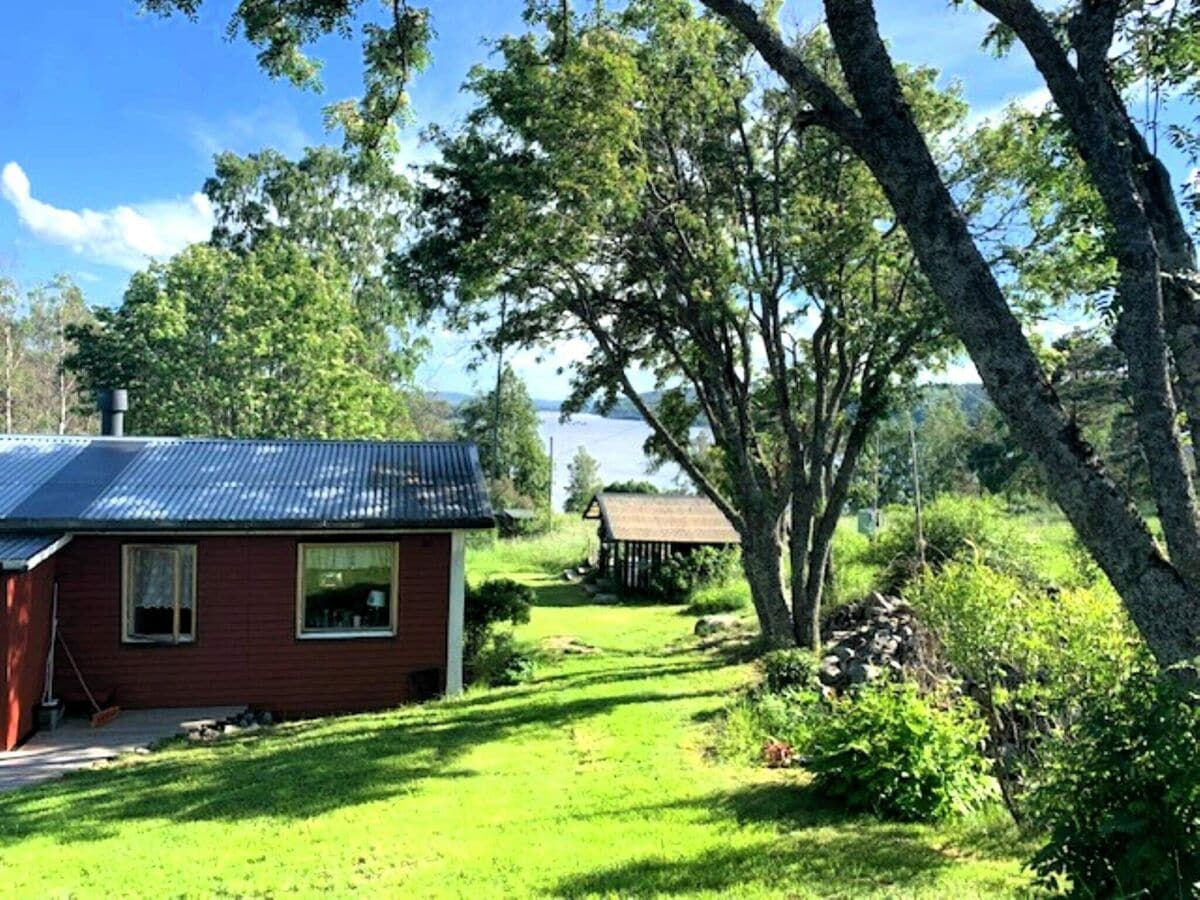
x=456, y=398
x=971, y=398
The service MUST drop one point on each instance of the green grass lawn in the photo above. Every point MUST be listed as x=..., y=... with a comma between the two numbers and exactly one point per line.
x=594, y=780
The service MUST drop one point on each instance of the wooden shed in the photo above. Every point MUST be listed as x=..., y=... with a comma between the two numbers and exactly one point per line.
x=639, y=531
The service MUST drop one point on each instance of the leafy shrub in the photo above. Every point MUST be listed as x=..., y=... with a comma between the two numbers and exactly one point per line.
x=503, y=661
x=953, y=528
x=889, y=750
x=675, y=579
x=489, y=604
x=1120, y=798
x=786, y=670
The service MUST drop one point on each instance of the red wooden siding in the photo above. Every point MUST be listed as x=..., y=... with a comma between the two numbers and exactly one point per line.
x=246, y=649
x=25, y=602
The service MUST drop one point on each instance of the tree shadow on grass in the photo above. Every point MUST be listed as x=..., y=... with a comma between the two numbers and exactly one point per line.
x=840, y=865
x=807, y=845
x=545, y=684
x=295, y=773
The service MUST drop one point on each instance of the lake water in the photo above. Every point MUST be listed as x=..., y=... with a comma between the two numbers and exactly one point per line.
x=615, y=443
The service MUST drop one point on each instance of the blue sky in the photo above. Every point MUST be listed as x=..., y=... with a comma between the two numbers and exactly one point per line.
x=109, y=120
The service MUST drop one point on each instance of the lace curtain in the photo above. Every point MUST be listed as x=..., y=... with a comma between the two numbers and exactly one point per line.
x=153, y=577
x=347, y=557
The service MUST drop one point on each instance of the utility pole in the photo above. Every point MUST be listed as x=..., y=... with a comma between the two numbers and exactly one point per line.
x=550, y=488
x=918, y=521
x=499, y=385
x=875, y=505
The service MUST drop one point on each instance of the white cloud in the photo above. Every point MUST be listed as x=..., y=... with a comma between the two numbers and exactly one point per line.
x=124, y=236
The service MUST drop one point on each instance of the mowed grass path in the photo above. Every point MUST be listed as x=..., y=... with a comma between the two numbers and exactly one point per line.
x=594, y=780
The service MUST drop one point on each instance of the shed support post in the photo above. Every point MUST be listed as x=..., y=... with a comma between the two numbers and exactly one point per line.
x=456, y=618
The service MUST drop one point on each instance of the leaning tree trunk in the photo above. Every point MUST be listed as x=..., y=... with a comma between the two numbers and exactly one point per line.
x=1165, y=608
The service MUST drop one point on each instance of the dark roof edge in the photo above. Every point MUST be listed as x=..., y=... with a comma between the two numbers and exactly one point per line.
x=210, y=439
x=85, y=526
x=19, y=566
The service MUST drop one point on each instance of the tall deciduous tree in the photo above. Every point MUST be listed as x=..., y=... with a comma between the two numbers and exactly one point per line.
x=55, y=402
x=1156, y=303
x=350, y=207
x=641, y=189
x=584, y=482
x=37, y=394
x=1156, y=298
x=11, y=344
x=264, y=343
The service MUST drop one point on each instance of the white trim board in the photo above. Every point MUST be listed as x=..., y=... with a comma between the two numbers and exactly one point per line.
x=457, y=613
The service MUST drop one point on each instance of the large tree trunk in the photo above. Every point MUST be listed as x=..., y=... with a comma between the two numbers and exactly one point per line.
x=806, y=609
x=1135, y=185
x=762, y=556
x=1164, y=607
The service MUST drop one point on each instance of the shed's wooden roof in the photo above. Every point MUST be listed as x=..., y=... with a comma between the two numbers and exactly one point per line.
x=669, y=518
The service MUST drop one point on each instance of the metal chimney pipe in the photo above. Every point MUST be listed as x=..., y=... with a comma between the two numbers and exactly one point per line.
x=114, y=403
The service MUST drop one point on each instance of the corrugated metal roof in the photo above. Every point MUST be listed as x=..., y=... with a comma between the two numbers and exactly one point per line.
x=21, y=552
x=92, y=484
x=663, y=518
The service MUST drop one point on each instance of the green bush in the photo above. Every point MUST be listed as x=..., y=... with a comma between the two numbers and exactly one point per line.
x=786, y=670
x=1028, y=656
x=889, y=750
x=504, y=661
x=489, y=604
x=953, y=528
x=675, y=579
x=1120, y=797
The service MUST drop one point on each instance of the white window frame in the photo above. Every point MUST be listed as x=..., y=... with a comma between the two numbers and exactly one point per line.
x=127, y=637
x=348, y=633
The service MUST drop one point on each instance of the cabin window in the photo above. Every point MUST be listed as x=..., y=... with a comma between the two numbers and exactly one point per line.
x=159, y=593
x=347, y=590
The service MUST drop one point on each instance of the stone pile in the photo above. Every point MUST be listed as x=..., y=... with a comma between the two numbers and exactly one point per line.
x=876, y=637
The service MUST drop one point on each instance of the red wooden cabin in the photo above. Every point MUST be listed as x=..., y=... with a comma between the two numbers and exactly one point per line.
x=298, y=577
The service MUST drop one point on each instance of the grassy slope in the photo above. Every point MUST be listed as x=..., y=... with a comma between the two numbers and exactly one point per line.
x=592, y=781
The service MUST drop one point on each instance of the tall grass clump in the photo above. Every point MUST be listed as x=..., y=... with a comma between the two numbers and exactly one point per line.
x=570, y=544
x=1028, y=657
x=953, y=528
x=854, y=567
